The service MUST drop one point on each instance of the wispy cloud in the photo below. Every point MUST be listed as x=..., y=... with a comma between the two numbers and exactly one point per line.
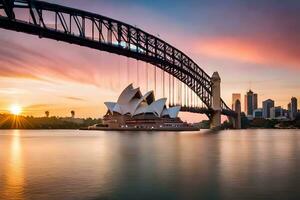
x=75, y=98
x=72, y=64
x=37, y=106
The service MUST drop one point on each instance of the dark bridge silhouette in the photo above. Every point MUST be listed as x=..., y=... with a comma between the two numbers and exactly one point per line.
x=99, y=32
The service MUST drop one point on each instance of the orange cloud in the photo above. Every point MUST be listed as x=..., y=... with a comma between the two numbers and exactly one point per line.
x=249, y=50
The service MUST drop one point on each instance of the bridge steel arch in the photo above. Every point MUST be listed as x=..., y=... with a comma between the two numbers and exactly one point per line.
x=102, y=33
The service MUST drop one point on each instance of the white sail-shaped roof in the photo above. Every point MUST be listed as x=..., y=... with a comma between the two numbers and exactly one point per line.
x=157, y=107
x=110, y=106
x=124, y=94
x=118, y=109
x=132, y=102
x=171, y=112
x=142, y=104
x=165, y=112
x=128, y=93
x=141, y=109
x=149, y=97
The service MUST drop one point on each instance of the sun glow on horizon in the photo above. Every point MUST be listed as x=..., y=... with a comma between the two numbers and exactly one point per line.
x=15, y=109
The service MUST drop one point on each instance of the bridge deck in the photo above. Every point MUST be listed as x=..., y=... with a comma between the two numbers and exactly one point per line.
x=106, y=34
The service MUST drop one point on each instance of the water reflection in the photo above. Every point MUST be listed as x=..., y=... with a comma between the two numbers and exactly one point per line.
x=14, y=174
x=258, y=165
x=79, y=165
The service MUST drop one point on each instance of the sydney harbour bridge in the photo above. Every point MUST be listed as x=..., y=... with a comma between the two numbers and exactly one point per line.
x=83, y=28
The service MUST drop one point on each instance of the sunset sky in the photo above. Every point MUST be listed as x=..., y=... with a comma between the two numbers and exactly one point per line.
x=252, y=44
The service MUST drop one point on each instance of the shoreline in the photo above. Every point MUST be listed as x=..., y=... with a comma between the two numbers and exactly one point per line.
x=134, y=129
x=141, y=129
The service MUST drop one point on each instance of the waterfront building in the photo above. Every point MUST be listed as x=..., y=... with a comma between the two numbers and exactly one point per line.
x=255, y=105
x=289, y=110
x=267, y=105
x=258, y=113
x=294, y=108
x=235, y=97
x=250, y=102
x=285, y=113
x=136, y=111
x=276, y=112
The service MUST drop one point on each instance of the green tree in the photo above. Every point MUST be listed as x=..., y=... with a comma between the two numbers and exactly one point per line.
x=72, y=113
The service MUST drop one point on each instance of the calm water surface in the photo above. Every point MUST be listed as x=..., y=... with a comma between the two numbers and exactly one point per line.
x=77, y=165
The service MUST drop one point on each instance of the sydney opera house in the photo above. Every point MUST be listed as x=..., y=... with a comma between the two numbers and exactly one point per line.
x=134, y=111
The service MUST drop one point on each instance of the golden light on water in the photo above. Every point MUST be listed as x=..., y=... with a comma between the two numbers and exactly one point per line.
x=14, y=181
x=15, y=109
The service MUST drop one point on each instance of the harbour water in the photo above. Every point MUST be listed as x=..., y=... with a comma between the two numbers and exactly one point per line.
x=80, y=165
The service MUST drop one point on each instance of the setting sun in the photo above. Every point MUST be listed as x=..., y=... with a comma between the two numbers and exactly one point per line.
x=15, y=109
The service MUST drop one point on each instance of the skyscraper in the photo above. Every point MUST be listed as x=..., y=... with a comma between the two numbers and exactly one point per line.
x=245, y=103
x=250, y=102
x=267, y=105
x=235, y=97
x=276, y=112
x=289, y=110
x=294, y=107
x=254, y=101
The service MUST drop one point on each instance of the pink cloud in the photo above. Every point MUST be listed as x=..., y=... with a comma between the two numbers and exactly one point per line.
x=249, y=50
x=48, y=61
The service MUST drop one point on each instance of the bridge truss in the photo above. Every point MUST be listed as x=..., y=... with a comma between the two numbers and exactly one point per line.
x=102, y=33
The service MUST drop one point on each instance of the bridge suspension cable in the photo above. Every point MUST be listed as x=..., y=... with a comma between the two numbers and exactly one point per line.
x=169, y=89
x=80, y=27
x=127, y=70
x=173, y=93
x=154, y=79
x=147, y=77
x=137, y=73
x=119, y=73
x=179, y=93
x=163, y=82
x=186, y=95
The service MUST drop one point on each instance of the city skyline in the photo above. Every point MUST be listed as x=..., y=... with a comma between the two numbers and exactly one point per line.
x=260, y=59
x=267, y=109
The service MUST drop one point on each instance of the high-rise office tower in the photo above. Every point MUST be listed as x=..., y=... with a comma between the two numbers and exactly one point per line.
x=289, y=110
x=267, y=105
x=250, y=102
x=276, y=112
x=254, y=101
x=294, y=107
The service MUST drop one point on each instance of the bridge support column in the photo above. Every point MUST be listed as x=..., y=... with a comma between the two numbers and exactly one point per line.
x=237, y=123
x=216, y=101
